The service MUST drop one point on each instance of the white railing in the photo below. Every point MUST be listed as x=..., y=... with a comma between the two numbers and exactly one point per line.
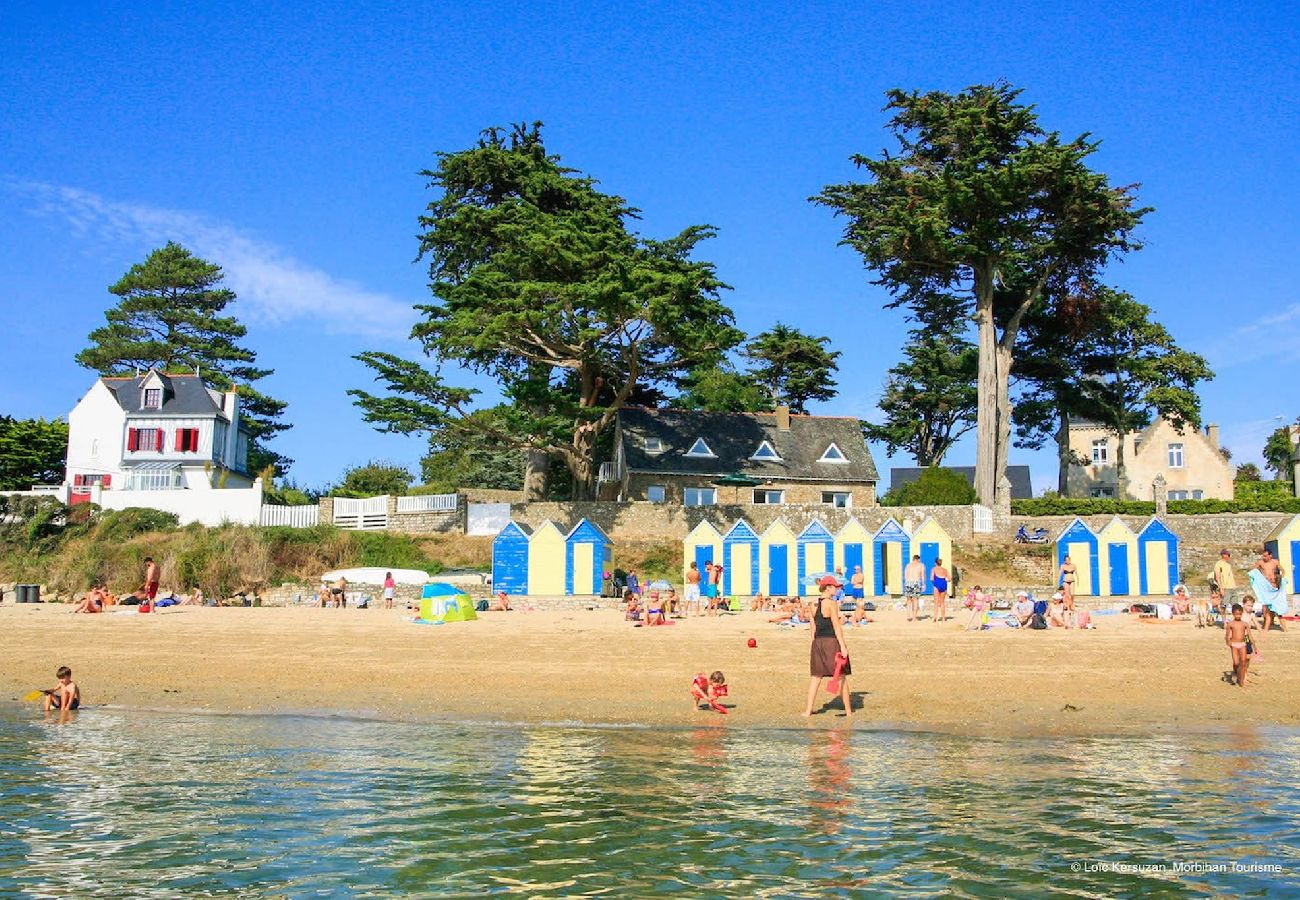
x=292, y=516
x=983, y=521
x=370, y=512
x=609, y=472
x=428, y=503
x=47, y=489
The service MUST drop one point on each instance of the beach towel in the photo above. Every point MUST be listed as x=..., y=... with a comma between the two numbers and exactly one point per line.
x=833, y=686
x=1272, y=597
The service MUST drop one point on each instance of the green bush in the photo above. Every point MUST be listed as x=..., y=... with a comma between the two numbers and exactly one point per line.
x=1081, y=506
x=398, y=551
x=1206, y=507
x=1262, y=491
x=936, y=486
x=124, y=524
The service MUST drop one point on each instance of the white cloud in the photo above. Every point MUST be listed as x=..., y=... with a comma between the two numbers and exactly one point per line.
x=273, y=287
x=1269, y=337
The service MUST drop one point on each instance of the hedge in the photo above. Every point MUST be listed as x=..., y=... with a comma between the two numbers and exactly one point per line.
x=1085, y=506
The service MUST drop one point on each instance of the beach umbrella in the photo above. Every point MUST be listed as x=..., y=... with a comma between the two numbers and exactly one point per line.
x=659, y=585
x=736, y=481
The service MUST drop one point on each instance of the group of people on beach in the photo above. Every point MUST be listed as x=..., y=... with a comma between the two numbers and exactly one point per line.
x=145, y=597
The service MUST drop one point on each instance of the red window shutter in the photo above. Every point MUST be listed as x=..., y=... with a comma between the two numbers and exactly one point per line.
x=180, y=439
x=194, y=440
x=130, y=439
x=107, y=482
x=76, y=481
x=158, y=440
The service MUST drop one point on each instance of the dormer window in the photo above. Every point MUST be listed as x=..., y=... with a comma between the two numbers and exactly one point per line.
x=833, y=454
x=766, y=452
x=653, y=445
x=153, y=398
x=700, y=450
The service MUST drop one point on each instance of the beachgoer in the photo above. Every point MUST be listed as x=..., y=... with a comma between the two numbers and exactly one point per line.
x=1068, y=569
x=717, y=602
x=671, y=602
x=654, y=613
x=93, y=602
x=857, y=583
x=632, y=584
x=65, y=696
x=151, y=578
x=390, y=590
x=632, y=610
x=1251, y=617
x=339, y=593
x=323, y=594
x=709, y=691
x=1217, y=608
x=195, y=598
x=1181, y=603
x=503, y=602
x=759, y=603
x=1236, y=634
x=1224, y=577
x=913, y=581
x=692, y=589
x=939, y=580
x=977, y=602
x=1056, y=614
x=1023, y=610
x=827, y=644
x=1272, y=570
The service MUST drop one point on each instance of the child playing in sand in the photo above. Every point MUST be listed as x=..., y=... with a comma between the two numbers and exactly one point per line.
x=1236, y=634
x=65, y=696
x=708, y=690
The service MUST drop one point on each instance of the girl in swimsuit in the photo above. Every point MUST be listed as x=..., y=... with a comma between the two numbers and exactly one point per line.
x=1067, y=583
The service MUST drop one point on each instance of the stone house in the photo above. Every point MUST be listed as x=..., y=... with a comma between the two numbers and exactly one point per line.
x=693, y=458
x=1190, y=461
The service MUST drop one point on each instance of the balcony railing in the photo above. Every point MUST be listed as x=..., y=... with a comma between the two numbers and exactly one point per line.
x=609, y=471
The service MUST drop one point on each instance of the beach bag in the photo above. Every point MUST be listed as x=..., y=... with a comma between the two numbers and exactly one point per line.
x=1037, y=622
x=482, y=606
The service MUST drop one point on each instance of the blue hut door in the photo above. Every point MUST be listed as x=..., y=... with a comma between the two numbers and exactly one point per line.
x=929, y=555
x=703, y=554
x=778, y=570
x=1118, y=570
x=1290, y=576
x=852, y=559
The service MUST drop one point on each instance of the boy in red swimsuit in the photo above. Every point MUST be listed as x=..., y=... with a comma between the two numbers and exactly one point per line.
x=709, y=690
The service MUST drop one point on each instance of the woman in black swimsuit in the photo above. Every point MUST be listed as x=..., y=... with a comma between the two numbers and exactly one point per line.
x=828, y=640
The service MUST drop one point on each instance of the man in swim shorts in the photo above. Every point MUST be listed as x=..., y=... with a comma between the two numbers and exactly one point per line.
x=150, y=578
x=913, y=579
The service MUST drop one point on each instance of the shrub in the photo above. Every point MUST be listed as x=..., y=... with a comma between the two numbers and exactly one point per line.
x=1081, y=506
x=936, y=486
x=398, y=551
x=124, y=524
x=1262, y=491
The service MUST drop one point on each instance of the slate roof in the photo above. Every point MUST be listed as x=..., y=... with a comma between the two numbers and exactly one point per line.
x=183, y=395
x=1022, y=486
x=733, y=438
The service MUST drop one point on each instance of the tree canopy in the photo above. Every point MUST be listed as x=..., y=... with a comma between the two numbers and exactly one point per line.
x=935, y=486
x=170, y=316
x=1277, y=452
x=540, y=283
x=373, y=479
x=32, y=451
x=792, y=367
x=980, y=202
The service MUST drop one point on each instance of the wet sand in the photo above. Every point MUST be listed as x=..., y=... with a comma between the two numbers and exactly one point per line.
x=592, y=667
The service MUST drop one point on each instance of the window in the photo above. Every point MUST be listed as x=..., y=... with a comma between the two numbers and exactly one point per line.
x=653, y=445
x=1100, y=451
x=699, y=448
x=154, y=480
x=152, y=398
x=1175, y=456
x=838, y=499
x=766, y=451
x=1178, y=495
x=187, y=440
x=767, y=496
x=700, y=497
x=656, y=493
x=1198, y=495
x=219, y=430
x=833, y=454
x=1098, y=492
x=144, y=439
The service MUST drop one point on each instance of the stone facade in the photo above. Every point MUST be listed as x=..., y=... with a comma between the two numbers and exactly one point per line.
x=796, y=492
x=1189, y=461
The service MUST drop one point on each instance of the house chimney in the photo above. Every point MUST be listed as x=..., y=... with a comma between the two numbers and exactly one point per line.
x=1212, y=435
x=782, y=418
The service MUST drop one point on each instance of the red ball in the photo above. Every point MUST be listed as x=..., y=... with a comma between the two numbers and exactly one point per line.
x=752, y=643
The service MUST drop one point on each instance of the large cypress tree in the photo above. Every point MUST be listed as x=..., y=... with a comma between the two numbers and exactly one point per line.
x=170, y=316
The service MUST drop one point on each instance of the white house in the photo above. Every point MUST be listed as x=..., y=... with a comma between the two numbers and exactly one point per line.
x=155, y=432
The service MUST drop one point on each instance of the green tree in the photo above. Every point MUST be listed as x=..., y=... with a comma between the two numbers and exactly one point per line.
x=1247, y=472
x=1277, y=452
x=32, y=451
x=929, y=397
x=792, y=367
x=170, y=317
x=459, y=458
x=980, y=202
x=372, y=479
x=936, y=486
x=540, y=284
x=723, y=388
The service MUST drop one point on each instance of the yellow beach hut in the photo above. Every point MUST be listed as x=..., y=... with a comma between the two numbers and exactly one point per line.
x=891, y=549
x=933, y=543
x=1284, y=543
x=853, y=549
x=740, y=575
x=1157, y=558
x=1117, y=553
x=777, y=556
x=816, y=554
x=1079, y=542
x=703, y=544
x=546, y=558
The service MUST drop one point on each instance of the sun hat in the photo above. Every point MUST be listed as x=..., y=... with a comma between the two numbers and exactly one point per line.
x=828, y=581
x=1024, y=594
x=1058, y=596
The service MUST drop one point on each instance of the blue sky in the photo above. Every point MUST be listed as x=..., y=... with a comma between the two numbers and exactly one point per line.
x=283, y=142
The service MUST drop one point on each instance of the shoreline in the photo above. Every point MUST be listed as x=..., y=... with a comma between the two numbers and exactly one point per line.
x=585, y=669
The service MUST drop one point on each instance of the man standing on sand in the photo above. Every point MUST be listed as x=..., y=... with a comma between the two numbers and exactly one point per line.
x=913, y=581
x=858, y=583
x=692, y=589
x=1224, y=577
x=150, y=578
x=1271, y=569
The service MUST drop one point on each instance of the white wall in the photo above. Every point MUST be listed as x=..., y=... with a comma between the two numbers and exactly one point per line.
x=241, y=506
x=95, y=435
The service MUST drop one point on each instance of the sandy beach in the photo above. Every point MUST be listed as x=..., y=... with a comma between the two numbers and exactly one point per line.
x=592, y=667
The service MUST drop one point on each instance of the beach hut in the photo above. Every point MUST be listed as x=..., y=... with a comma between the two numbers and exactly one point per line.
x=588, y=554
x=852, y=546
x=933, y=543
x=1117, y=550
x=777, y=554
x=703, y=545
x=510, y=559
x=546, y=554
x=1078, y=542
x=1284, y=543
x=816, y=549
x=740, y=569
x=891, y=549
x=1157, y=558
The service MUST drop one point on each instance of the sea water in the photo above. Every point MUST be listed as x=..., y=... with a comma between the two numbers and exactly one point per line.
x=124, y=803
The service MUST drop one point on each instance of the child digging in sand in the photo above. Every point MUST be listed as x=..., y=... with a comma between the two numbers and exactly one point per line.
x=65, y=696
x=1236, y=634
x=709, y=690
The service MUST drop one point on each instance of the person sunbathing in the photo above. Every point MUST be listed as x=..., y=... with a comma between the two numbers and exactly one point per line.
x=860, y=616
x=194, y=599
x=654, y=613
x=632, y=610
x=759, y=603
x=1056, y=613
x=503, y=602
x=93, y=602
x=1181, y=603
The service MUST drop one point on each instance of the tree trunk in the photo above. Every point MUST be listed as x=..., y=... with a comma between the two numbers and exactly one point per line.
x=1063, y=454
x=537, y=467
x=582, y=462
x=986, y=414
x=1121, y=476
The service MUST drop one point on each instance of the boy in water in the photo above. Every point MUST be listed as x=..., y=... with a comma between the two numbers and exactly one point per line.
x=1236, y=634
x=65, y=696
x=709, y=690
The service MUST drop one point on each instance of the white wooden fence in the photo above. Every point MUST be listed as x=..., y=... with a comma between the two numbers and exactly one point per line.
x=983, y=523
x=293, y=516
x=368, y=513
x=427, y=503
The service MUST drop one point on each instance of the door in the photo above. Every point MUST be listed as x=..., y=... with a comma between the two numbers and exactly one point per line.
x=584, y=569
x=1156, y=559
x=778, y=570
x=929, y=556
x=1118, y=554
x=1289, y=577
x=893, y=558
x=853, y=559
x=1080, y=554
x=739, y=571
x=703, y=556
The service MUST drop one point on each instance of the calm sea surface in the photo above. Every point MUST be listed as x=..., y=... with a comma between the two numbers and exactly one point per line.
x=150, y=804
